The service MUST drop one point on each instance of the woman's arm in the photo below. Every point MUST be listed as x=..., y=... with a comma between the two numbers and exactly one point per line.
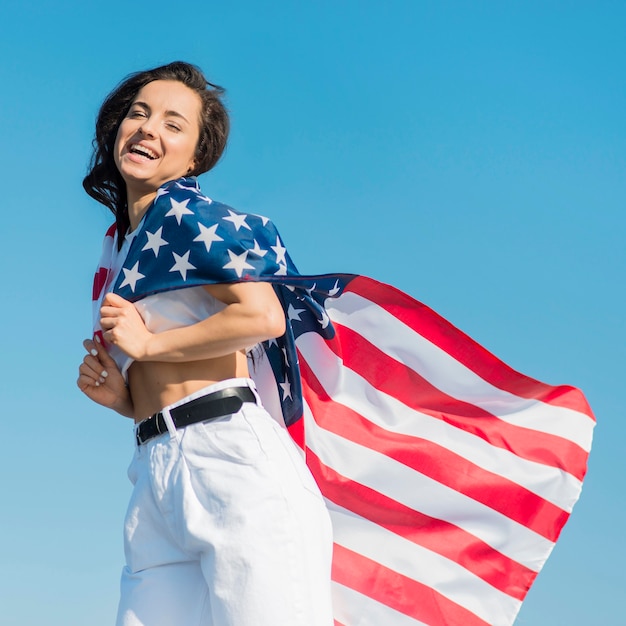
x=100, y=380
x=252, y=314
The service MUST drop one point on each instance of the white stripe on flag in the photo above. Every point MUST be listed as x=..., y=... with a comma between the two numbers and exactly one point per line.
x=351, y=607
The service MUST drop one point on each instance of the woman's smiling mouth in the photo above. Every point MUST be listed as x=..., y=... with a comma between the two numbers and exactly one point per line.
x=136, y=148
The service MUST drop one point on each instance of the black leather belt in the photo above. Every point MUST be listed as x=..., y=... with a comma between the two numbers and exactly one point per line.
x=217, y=404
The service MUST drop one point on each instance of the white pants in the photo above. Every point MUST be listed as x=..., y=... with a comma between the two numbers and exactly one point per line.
x=225, y=527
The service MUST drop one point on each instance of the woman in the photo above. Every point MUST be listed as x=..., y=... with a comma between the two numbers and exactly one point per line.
x=225, y=525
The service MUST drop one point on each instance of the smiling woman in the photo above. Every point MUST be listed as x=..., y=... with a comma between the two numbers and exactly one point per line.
x=226, y=526
x=448, y=475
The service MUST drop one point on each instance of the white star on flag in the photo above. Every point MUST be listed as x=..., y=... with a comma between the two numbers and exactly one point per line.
x=280, y=250
x=281, y=271
x=258, y=250
x=160, y=192
x=208, y=235
x=237, y=220
x=334, y=290
x=325, y=319
x=155, y=242
x=179, y=209
x=286, y=387
x=293, y=313
x=238, y=262
x=182, y=264
x=131, y=276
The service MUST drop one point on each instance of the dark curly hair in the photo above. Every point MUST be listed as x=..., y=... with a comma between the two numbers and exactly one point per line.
x=103, y=181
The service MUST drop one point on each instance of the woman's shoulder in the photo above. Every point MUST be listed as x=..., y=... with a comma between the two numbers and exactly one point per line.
x=184, y=197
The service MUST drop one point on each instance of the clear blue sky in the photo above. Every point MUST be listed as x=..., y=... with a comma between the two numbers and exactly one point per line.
x=470, y=153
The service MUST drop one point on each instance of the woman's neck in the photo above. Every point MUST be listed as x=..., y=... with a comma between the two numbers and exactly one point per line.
x=138, y=204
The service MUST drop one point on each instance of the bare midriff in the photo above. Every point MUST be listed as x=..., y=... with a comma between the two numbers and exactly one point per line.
x=155, y=384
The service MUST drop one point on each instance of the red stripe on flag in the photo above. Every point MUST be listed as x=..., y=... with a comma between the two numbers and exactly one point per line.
x=398, y=592
x=99, y=281
x=407, y=386
x=464, y=349
x=440, y=464
x=296, y=430
x=436, y=535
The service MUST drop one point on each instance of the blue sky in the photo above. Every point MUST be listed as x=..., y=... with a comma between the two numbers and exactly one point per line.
x=470, y=153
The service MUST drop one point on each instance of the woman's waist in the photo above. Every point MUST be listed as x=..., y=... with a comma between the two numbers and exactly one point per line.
x=154, y=385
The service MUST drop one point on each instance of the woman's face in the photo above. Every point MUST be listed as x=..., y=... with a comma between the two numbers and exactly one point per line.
x=156, y=141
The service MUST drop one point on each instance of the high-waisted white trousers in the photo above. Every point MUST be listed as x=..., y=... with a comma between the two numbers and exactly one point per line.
x=225, y=527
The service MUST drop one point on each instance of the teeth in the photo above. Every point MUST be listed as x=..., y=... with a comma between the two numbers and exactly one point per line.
x=143, y=151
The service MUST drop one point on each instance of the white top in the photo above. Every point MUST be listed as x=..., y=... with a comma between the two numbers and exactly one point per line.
x=171, y=309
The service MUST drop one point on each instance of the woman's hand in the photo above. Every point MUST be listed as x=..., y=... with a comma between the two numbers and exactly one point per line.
x=123, y=326
x=101, y=381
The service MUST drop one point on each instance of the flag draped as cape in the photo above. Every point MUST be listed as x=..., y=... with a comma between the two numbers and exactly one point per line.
x=448, y=475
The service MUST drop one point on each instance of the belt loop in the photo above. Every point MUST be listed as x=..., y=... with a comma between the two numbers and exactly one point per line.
x=136, y=433
x=169, y=422
x=252, y=386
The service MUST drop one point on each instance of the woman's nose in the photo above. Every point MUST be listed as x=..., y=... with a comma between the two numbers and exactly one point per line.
x=147, y=129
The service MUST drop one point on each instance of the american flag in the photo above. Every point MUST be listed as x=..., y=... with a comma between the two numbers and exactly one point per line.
x=448, y=475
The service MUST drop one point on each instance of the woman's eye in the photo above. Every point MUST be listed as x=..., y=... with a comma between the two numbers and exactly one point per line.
x=174, y=127
x=136, y=113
